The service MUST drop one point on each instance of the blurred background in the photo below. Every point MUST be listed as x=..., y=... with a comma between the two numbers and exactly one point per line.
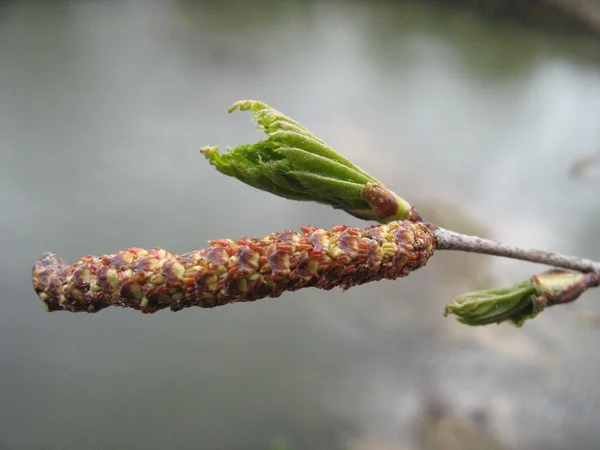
x=483, y=116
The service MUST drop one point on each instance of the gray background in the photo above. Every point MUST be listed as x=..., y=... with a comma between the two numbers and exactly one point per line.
x=103, y=107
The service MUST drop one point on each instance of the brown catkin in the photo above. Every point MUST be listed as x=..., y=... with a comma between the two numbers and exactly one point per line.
x=234, y=271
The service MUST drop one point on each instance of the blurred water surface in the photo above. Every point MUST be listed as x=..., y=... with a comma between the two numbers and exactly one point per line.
x=103, y=107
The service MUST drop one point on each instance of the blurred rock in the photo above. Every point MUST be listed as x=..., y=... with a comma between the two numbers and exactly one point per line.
x=583, y=164
x=441, y=429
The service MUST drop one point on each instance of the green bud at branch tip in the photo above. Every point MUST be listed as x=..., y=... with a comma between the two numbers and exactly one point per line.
x=293, y=163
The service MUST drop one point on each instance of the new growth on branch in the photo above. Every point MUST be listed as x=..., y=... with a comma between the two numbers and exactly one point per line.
x=293, y=163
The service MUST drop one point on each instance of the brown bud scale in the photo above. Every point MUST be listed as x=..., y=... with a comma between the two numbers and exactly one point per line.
x=234, y=271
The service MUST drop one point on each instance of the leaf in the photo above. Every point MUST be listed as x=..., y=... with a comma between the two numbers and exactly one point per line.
x=293, y=163
x=521, y=301
x=494, y=305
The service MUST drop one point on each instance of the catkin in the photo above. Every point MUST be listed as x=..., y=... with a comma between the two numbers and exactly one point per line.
x=234, y=271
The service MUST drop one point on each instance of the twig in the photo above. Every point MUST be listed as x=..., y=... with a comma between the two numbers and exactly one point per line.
x=450, y=240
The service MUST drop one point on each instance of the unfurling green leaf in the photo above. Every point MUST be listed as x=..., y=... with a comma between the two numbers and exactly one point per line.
x=493, y=305
x=295, y=164
x=521, y=301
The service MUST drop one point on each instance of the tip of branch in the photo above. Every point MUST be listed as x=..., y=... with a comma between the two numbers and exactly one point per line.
x=293, y=163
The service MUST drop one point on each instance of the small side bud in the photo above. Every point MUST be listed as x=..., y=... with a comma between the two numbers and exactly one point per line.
x=521, y=301
x=493, y=305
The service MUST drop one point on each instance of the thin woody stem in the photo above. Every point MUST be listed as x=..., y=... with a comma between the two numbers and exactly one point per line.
x=450, y=240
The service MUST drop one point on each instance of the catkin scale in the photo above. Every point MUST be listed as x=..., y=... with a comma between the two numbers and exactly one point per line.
x=234, y=271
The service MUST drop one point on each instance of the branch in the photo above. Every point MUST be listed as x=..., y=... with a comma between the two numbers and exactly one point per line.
x=524, y=300
x=450, y=240
x=293, y=163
